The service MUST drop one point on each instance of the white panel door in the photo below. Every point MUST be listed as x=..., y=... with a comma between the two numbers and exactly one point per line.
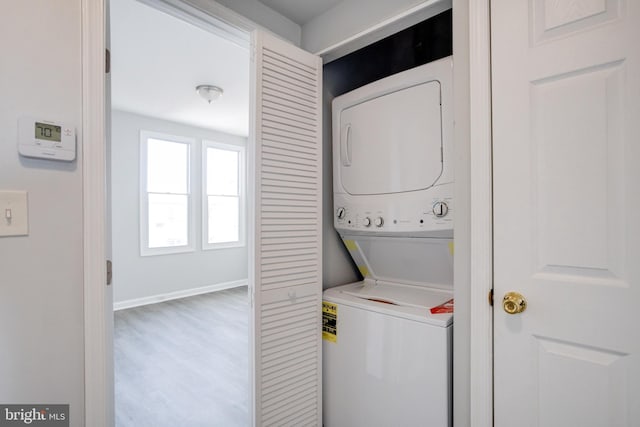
x=566, y=117
x=286, y=275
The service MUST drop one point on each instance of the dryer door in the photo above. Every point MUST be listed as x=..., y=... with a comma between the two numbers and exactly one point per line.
x=392, y=143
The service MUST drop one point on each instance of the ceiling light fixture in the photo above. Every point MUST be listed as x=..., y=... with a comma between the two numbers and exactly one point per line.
x=209, y=93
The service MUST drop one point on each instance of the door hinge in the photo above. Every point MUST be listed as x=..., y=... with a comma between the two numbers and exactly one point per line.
x=109, y=271
x=107, y=61
x=491, y=297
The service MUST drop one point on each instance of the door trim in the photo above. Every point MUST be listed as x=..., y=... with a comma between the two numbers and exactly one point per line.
x=98, y=372
x=481, y=216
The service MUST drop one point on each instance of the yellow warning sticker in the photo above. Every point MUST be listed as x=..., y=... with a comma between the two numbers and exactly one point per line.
x=363, y=270
x=329, y=321
x=350, y=244
x=451, y=248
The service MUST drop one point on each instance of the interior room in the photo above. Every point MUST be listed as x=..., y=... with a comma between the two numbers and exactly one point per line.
x=179, y=126
x=469, y=284
x=160, y=62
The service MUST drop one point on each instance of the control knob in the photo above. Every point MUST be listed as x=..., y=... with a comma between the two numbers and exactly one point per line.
x=340, y=213
x=440, y=209
x=366, y=221
x=378, y=221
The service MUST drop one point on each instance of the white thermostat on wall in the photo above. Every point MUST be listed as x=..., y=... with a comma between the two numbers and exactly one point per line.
x=44, y=139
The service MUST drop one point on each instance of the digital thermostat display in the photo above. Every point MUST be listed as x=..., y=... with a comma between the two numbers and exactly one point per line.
x=45, y=139
x=48, y=132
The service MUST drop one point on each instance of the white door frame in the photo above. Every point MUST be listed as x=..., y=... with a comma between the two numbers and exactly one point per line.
x=474, y=286
x=480, y=244
x=98, y=375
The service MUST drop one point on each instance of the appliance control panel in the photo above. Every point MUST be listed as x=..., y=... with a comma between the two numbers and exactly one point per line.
x=420, y=214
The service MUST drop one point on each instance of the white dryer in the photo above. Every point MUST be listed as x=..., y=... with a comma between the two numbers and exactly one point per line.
x=386, y=358
x=393, y=155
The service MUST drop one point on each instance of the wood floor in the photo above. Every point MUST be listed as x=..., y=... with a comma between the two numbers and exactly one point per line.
x=183, y=362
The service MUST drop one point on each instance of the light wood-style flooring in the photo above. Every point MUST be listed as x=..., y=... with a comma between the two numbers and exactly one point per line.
x=183, y=362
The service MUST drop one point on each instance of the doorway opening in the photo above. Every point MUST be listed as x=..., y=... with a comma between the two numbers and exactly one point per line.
x=178, y=220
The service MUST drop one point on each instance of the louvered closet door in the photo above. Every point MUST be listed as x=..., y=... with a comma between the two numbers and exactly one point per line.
x=287, y=269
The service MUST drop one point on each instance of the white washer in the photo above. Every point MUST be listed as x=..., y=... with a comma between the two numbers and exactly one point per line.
x=390, y=364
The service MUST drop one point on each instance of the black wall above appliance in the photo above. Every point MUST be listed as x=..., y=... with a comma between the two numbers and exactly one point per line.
x=424, y=42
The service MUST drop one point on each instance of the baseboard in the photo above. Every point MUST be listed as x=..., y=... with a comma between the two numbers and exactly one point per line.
x=154, y=299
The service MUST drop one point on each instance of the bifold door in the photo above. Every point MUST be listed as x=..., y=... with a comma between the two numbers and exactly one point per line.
x=286, y=275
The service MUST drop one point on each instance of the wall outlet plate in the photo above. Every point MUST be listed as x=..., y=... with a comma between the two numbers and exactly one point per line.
x=14, y=215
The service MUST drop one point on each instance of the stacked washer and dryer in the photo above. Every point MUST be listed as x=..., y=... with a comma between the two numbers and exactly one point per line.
x=387, y=352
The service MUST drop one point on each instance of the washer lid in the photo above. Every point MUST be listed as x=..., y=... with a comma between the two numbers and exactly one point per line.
x=409, y=302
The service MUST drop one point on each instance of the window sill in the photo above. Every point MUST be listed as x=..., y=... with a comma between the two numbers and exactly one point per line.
x=215, y=246
x=145, y=252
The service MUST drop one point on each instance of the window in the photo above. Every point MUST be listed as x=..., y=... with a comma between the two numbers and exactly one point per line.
x=223, y=195
x=166, y=202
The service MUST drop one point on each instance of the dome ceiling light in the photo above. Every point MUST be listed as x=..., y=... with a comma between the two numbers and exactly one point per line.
x=209, y=92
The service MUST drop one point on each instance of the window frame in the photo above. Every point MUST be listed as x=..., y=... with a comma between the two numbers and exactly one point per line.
x=145, y=250
x=242, y=196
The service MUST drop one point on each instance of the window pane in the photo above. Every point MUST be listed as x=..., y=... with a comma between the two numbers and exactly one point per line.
x=168, y=220
x=222, y=172
x=167, y=166
x=224, y=219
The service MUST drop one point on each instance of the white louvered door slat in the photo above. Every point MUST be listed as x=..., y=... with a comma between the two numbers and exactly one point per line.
x=286, y=272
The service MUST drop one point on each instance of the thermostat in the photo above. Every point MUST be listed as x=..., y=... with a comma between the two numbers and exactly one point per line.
x=45, y=139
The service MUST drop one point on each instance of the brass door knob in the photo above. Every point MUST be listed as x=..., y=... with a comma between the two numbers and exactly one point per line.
x=514, y=303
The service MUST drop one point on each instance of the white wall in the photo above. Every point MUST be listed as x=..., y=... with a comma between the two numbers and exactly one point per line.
x=136, y=276
x=266, y=17
x=348, y=18
x=41, y=289
x=259, y=13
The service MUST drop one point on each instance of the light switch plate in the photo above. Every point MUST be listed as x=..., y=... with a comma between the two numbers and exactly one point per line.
x=14, y=215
